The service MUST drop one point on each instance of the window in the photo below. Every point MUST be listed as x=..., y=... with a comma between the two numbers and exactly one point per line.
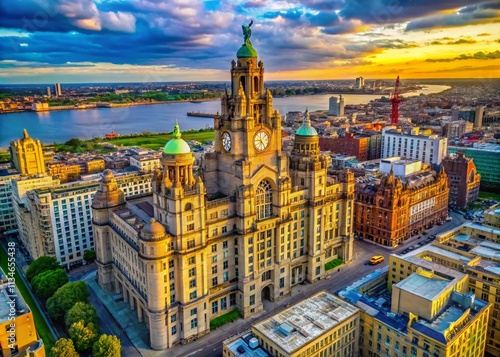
x=282, y=283
x=194, y=311
x=191, y=243
x=174, y=330
x=252, y=287
x=194, y=322
x=171, y=263
x=214, y=259
x=225, y=276
x=192, y=283
x=171, y=275
x=223, y=303
x=214, y=248
x=192, y=272
x=173, y=318
x=224, y=229
x=214, y=281
x=191, y=260
x=225, y=265
x=190, y=227
x=264, y=200
x=214, y=269
x=252, y=299
x=224, y=244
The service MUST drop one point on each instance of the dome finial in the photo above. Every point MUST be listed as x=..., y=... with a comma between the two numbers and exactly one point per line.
x=177, y=131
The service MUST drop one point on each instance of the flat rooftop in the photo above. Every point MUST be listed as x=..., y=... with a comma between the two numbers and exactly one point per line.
x=241, y=348
x=8, y=292
x=436, y=250
x=302, y=323
x=137, y=212
x=427, y=287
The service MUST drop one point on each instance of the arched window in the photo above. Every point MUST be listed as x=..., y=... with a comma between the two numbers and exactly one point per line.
x=264, y=200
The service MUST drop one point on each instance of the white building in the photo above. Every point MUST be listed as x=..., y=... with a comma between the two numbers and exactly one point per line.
x=146, y=163
x=336, y=106
x=7, y=214
x=414, y=144
x=59, y=217
x=400, y=167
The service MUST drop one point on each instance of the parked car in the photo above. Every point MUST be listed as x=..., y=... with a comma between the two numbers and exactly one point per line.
x=376, y=259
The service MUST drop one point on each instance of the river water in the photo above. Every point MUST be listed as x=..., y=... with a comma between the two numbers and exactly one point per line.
x=60, y=126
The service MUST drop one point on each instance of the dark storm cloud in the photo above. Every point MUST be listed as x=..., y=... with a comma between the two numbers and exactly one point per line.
x=478, y=55
x=473, y=14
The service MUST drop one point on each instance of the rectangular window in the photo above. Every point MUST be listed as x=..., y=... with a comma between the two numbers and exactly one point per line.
x=173, y=318
x=171, y=263
x=194, y=323
x=214, y=281
x=192, y=272
x=191, y=260
x=215, y=307
x=232, y=299
x=214, y=248
x=252, y=299
x=174, y=330
x=224, y=244
x=224, y=229
x=225, y=276
x=194, y=311
x=223, y=303
x=190, y=227
x=192, y=283
x=225, y=265
x=190, y=243
x=214, y=269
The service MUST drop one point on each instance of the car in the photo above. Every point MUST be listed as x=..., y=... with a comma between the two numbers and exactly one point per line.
x=449, y=218
x=376, y=259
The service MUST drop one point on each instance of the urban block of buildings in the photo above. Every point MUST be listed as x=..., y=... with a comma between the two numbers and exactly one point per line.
x=321, y=325
x=406, y=199
x=419, y=312
x=249, y=225
x=18, y=335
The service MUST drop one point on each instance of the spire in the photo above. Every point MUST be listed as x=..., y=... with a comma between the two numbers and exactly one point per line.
x=25, y=134
x=177, y=131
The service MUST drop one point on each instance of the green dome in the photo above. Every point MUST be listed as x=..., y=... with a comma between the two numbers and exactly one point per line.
x=306, y=129
x=176, y=145
x=246, y=51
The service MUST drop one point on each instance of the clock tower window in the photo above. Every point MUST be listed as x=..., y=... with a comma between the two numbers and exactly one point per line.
x=264, y=200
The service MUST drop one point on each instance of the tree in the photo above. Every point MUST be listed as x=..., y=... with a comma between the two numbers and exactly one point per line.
x=46, y=284
x=107, y=346
x=65, y=298
x=81, y=311
x=63, y=348
x=84, y=336
x=89, y=255
x=40, y=265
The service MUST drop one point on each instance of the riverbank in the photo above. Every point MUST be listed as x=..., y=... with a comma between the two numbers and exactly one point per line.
x=110, y=105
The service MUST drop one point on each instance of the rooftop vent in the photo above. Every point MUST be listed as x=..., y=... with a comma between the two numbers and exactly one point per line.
x=285, y=329
x=253, y=343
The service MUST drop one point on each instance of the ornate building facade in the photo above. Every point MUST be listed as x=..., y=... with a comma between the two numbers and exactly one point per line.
x=393, y=209
x=463, y=179
x=250, y=225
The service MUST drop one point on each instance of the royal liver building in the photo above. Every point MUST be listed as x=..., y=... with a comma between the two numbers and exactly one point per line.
x=252, y=223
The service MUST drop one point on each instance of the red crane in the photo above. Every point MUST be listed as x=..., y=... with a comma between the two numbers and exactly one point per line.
x=395, y=100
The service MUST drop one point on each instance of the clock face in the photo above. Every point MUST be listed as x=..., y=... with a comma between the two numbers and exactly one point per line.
x=261, y=140
x=226, y=141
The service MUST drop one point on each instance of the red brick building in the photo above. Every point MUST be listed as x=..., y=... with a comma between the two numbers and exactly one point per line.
x=364, y=147
x=463, y=179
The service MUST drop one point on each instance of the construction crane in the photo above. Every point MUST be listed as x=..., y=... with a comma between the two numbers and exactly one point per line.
x=395, y=100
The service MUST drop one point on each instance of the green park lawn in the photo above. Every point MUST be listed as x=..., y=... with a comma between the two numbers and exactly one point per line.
x=41, y=326
x=224, y=319
x=155, y=141
x=488, y=195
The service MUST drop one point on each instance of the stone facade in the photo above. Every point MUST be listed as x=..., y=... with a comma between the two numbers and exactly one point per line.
x=248, y=226
x=463, y=179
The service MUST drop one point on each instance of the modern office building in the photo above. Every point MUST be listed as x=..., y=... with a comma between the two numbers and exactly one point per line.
x=7, y=215
x=360, y=82
x=463, y=179
x=466, y=249
x=321, y=325
x=59, y=217
x=478, y=117
x=422, y=312
x=406, y=200
x=49, y=94
x=336, y=106
x=413, y=144
x=252, y=224
x=18, y=335
x=57, y=90
x=487, y=160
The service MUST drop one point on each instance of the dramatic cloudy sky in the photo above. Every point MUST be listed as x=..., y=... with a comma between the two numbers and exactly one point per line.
x=45, y=41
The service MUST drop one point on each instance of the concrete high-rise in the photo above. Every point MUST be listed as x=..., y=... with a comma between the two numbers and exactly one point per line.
x=478, y=117
x=463, y=179
x=49, y=94
x=336, y=106
x=413, y=144
x=247, y=227
x=360, y=82
x=57, y=90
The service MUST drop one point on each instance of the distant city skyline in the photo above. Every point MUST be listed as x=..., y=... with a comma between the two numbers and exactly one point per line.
x=76, y=41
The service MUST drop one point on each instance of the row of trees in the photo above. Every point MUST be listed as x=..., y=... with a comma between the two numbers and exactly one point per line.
x=67, y=304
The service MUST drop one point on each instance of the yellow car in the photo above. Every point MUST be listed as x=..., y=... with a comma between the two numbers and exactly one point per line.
x=376, y=259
